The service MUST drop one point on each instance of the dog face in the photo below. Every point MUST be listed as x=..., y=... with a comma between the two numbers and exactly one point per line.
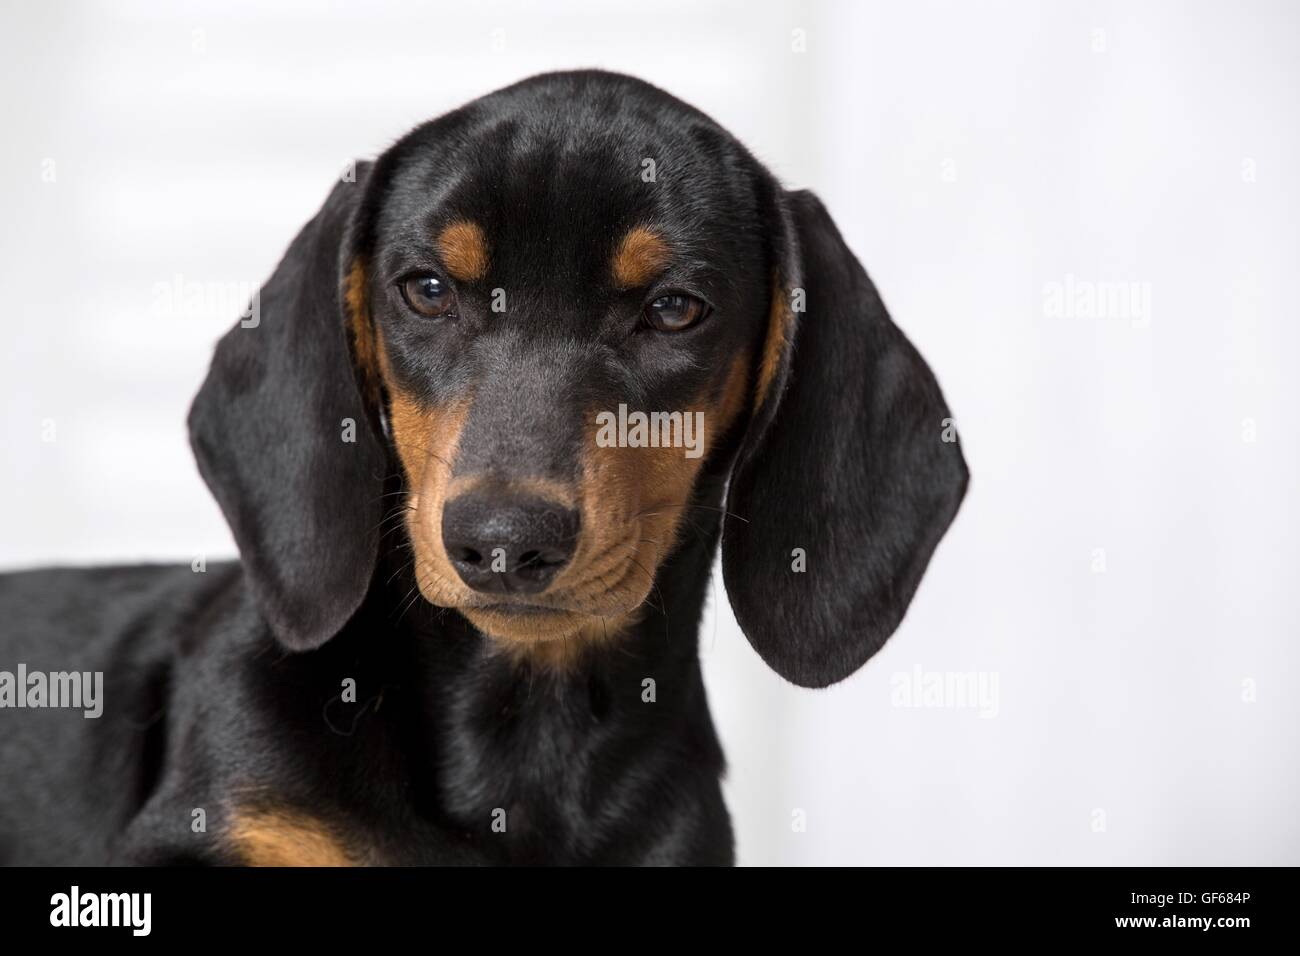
x=534, y=285
x=553, y=311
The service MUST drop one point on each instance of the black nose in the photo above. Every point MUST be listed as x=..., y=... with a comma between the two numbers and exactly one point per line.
x=507, y=544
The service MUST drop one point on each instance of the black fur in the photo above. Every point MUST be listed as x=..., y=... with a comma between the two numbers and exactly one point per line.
x=222, y=688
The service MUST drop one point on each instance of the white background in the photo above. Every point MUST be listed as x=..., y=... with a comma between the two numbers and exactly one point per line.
x=973, y=154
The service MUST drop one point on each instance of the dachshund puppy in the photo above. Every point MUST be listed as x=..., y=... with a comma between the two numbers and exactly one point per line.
x=479, y=441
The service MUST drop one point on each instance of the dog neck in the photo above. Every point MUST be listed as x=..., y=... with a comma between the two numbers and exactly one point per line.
x=535, y=737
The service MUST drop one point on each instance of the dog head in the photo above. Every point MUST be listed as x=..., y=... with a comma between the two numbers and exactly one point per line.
x=554, y=312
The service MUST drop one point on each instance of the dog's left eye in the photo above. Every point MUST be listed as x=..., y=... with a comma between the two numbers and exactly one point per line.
x=429, y=296
x=672, y=313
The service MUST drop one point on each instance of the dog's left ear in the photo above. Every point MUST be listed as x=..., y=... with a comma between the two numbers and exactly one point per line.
x=285, y=440
x=850, y=472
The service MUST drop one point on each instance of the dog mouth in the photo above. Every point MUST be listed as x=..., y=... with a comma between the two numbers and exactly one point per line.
x=521, y=623
x=519, y=608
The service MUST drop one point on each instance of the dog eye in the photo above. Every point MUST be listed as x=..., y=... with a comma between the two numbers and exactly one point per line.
x=429, y=296
x=672, y=313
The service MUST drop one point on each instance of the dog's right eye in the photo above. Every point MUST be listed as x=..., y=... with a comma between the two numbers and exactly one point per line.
x=674, y=312
x=429, y=296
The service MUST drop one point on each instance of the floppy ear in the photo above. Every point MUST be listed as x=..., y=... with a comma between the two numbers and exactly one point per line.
x=286, y=443
x=845, y=458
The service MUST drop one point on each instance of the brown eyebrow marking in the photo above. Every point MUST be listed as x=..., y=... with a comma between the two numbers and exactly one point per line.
x=464, y=250
x=639, y=258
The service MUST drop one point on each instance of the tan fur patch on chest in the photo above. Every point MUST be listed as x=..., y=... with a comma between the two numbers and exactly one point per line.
x=284, y=837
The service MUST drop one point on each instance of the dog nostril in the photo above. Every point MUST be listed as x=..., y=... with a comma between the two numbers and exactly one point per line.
x=468, y=556
x=536, y=565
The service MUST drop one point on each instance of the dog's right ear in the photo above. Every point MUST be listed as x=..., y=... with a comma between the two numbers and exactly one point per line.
x=286, y=440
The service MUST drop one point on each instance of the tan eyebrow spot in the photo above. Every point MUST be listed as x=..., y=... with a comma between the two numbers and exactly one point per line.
x=639, y=258
x=464, y=250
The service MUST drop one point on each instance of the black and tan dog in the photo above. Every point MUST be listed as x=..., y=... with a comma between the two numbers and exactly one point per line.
x=406, y=445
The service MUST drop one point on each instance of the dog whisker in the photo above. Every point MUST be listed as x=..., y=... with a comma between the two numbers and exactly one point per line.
x=722, y=511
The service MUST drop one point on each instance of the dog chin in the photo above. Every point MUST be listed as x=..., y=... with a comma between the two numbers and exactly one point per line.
x=530, y=625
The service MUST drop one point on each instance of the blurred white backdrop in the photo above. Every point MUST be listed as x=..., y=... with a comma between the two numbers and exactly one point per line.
x=1125, y=567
